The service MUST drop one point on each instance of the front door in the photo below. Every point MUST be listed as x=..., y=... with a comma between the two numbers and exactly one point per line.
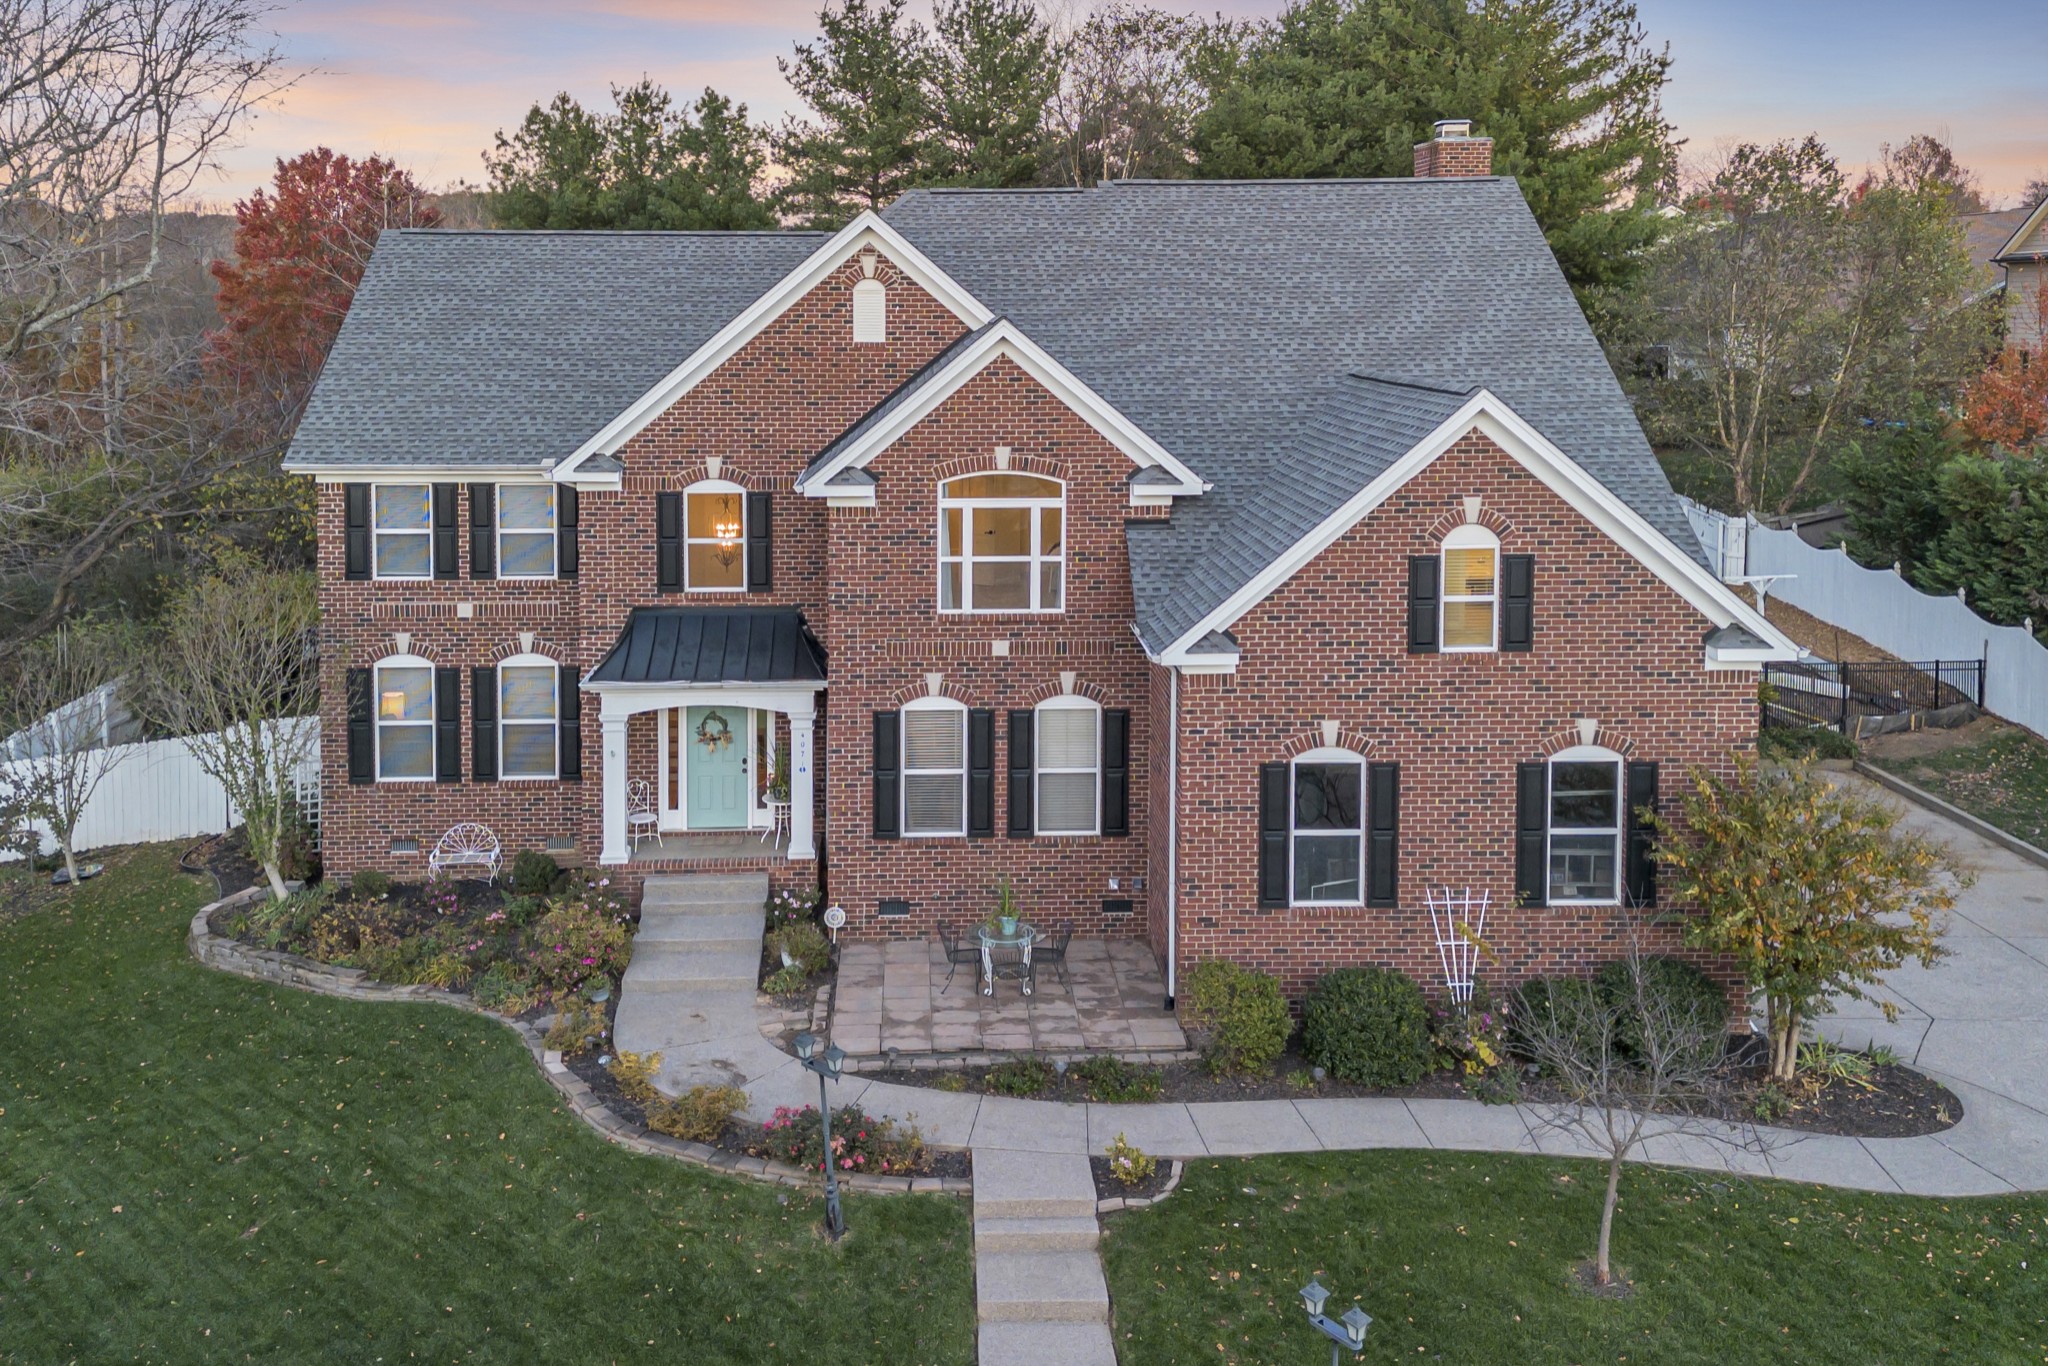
x=715, y=745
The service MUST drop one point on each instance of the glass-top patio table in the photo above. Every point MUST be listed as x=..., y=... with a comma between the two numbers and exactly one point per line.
x=1016, y=960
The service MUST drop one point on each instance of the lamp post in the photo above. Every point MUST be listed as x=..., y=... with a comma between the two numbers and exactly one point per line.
x=1348, y=1331
x=827, y=1065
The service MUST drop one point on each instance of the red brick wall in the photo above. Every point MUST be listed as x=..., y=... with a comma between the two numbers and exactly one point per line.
x=1454, y=157
x=887, y=634
x=1612, y=643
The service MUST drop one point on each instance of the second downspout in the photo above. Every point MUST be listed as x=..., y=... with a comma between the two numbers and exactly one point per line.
x=1172, y=831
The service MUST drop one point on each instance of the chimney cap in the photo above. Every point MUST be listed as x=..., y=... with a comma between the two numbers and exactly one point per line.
x=1454, y=128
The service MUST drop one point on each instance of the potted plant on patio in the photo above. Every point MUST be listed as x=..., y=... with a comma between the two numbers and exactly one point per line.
x=1003, y=919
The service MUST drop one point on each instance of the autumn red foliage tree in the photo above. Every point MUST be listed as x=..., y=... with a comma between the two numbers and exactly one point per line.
x=2007, y=405
x=300, y=250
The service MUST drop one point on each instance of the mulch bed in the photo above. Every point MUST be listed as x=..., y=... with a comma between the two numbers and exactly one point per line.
x=1899, y=1103
x=226, y=859
x=413, y=903
x=1107, y=1187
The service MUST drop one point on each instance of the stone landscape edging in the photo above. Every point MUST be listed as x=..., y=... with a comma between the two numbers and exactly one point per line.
x=231, y=956
x=1109, y=1204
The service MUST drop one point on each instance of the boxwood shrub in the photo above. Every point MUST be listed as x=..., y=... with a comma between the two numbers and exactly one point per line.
x=1367, y=1025
x=1675, y=986
x=1572, y=998
x=1244, y=1012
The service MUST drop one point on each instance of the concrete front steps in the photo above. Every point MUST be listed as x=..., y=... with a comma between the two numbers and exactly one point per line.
x=696, y=958
x=1038, y=1281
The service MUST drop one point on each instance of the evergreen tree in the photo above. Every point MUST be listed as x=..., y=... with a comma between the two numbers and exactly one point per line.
x=1568, y=90
x=992, y=74
x=867, y=82
x=648, y=165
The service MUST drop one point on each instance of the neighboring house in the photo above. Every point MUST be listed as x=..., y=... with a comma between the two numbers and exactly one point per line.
x=1224, y=563
x=2024, y=258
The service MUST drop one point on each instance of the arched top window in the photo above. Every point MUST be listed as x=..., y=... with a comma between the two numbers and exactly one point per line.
x=403, y=686
x=1068, y=765
x=934, y=767
x=1002, y=543
x=870, y=312
x=529, y=711
x=1327, y=828
x=1471, y=589
x=1586, y=823
x=715, y=537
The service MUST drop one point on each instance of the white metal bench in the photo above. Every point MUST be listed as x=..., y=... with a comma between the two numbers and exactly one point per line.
x=467, y=845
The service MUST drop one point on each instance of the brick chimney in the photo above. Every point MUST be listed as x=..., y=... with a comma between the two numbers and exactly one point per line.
x=1454, y=152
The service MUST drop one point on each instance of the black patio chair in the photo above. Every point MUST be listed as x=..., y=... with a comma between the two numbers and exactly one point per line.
x=955, y=954
x=1053, y=951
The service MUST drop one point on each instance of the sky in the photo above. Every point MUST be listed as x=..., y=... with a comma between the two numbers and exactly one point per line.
x=428, y=82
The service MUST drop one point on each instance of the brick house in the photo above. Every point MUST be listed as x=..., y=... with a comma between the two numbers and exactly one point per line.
x=1226, y=564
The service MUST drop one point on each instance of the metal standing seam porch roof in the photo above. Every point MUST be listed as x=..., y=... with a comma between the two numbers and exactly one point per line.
x=713, y=645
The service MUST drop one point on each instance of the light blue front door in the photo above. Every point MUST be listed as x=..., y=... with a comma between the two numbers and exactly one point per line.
x=715, y=743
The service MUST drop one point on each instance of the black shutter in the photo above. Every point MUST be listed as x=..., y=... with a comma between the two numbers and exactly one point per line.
x=760, y=542
x=568, y=556
x=1642, y=836
x=569, y=735
x=1021, y=765
x=668, y=542
x=1518, y=602
x=446, y=564
x=981, y=772
x=1532, y=830
x=355, y=518
x=1424, y=599
x=888, y=774
x=1274, y=801
x=1116, y=772
x=1383, y=842
x=447, y=725
x=483, y=540
x=362, y=728
x=483, y=724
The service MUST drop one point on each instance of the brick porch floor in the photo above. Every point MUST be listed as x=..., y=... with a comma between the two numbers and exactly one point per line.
x=892, y=995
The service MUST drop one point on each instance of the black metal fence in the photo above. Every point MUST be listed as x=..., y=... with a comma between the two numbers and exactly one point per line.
x=1822, y=692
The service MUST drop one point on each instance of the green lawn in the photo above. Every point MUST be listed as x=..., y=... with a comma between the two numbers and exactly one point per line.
x=199, y=1168
x=1468, y=1258
x=2002, y=779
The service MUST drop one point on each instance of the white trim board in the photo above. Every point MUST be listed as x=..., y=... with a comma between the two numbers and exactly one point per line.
x=1005, y=341
x=1557, y=471
x=2022, y=232
x=866, y=231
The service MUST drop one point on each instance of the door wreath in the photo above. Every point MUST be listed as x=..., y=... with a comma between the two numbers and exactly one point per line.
x=714, y=740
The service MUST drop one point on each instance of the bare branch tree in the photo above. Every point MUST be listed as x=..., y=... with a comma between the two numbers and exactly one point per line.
x=60, y=721
x=1130, y=88
x=1629, y=1066
x=234, y=676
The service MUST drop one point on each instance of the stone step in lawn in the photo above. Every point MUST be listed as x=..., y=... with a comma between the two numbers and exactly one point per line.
x=1021, y=1185
x=1041, y=1287
x=1063, y=1234
x=1046, y=1344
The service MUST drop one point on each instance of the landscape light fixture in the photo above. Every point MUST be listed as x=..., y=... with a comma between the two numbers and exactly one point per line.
x=828, y=1066
x=1345, y=1332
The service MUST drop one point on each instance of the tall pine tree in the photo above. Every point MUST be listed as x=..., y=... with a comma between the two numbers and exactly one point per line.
x=992, y=74
x=867, y=82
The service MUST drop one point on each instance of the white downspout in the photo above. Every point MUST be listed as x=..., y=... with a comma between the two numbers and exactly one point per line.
x=1172, y=831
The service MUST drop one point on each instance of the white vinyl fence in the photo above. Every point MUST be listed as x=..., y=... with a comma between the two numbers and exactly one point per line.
x=1720, y=535
x=158, y=791
x=1893, y=615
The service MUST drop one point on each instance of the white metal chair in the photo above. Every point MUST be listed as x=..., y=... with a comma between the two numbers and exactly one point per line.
x=642, y=822
x=468, y=845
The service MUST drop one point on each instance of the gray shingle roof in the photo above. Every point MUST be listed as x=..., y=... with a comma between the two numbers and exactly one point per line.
x=514, y=348
x=1223, y=318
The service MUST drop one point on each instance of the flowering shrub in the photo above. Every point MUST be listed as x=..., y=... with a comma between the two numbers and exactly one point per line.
x=860, y=1143
x=1471, y=1038
x=791, y=905
x=1129, y=1163
x=582, y=939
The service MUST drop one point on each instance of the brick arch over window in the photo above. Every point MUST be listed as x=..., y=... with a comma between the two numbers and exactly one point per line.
x=1357, y=741
x=369, y=654
x=1568, y=736
x=1455, y=517
x=541, y=646
x=921, y=688
x=1056, y=687
x=1020, y=463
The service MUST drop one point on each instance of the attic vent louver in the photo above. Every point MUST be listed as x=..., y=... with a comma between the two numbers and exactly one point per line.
x=870, y=312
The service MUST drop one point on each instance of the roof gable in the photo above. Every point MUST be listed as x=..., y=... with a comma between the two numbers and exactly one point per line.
x=2029, y=239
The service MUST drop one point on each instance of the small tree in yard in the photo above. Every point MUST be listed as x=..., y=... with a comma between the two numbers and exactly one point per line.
x=62, y=729
x=1630, y=1063
x=234, y=675
x=1812, y=888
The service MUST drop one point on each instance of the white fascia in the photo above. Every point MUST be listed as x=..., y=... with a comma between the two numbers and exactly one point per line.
x=868, y=230
x=1005, y=340
x=2021, y=233
x=1563, y=476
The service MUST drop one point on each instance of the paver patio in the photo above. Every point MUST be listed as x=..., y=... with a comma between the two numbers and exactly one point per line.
x=895, y=995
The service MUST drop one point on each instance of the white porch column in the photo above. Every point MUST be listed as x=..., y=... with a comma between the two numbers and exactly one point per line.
x=615, y=848
x=802, y=722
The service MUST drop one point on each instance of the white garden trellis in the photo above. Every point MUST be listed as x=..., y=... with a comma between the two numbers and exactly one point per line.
x=1458, y=919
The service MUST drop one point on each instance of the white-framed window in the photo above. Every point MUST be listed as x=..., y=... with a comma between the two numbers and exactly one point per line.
x=1067, y=733
x=934, y=767
x=1471, y=601
x=404, y=686
x=1584, y=858
x=402, y=531
x=528, y=710
x=715, y=537
x=1327, y=838
x=1002, y=543
x=526, y=531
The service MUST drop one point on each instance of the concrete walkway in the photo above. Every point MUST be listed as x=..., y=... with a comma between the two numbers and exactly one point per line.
x=1978, y=1022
